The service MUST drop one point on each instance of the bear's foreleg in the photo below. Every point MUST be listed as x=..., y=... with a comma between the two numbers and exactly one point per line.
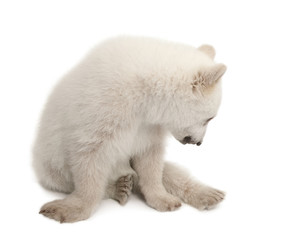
x=149, y=167
x=179, y=183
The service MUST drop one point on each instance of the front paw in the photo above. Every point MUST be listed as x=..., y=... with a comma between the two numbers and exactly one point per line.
x=164, y=202
x=205, y=198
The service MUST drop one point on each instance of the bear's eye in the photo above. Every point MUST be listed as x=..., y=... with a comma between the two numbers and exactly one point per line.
x=209, y=119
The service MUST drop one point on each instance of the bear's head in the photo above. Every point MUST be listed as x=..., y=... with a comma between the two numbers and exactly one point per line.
x=198, y=100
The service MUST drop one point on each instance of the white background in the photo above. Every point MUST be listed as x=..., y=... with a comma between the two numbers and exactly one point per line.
x=248, y=149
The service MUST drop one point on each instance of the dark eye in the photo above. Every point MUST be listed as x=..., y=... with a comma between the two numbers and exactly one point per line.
x=209, y=119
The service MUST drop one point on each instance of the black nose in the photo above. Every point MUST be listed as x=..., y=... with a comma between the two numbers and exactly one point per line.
x=187, y=139
x=199, y=143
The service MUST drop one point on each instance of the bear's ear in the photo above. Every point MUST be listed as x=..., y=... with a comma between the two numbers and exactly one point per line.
x=208, y=50
x=209, y=75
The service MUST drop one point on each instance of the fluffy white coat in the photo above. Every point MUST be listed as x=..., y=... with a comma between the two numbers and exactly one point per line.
x=102, y=131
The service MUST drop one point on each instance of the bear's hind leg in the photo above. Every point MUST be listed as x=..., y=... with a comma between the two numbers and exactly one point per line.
x=121, y=189
x=90, y=176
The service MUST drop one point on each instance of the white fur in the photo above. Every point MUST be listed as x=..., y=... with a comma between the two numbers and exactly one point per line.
x=118, y=104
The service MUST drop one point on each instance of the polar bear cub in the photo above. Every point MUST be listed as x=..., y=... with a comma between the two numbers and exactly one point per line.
x=102, y=131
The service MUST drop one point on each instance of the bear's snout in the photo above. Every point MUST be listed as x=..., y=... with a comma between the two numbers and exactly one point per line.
x=188, y=139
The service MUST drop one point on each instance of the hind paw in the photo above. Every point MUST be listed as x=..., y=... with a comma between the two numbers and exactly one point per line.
x=124, y=186
x=63, y=211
